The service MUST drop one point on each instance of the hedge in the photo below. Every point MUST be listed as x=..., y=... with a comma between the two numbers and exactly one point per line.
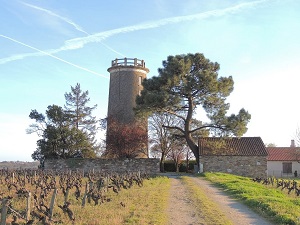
x=169, y=166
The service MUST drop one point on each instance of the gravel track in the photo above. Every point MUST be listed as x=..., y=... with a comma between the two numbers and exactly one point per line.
x=181, y=212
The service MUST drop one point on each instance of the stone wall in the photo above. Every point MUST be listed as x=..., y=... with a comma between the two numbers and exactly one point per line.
x=150, y=166
x=250, y=166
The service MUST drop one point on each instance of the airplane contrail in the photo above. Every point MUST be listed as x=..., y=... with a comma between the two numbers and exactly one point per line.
x=77, y=27
x=55, y=57
x=98, y=37
x=78, y=43
x=67, y=20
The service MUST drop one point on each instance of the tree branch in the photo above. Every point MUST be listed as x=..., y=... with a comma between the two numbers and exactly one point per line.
x=208, y=126
x=173, y=113
x=174, y=128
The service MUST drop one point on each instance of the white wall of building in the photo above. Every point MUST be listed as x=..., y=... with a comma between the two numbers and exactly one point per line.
x=275, y=169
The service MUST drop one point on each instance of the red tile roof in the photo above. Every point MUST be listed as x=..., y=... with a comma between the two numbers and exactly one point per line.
x=243, y=146
x=283, y=153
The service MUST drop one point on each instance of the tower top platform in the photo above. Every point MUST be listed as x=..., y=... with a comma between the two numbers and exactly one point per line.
x=128, y=62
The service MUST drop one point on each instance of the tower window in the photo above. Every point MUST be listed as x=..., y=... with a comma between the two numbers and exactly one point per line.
x=140, y=80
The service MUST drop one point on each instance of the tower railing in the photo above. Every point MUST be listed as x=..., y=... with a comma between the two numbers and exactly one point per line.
x=128, y=62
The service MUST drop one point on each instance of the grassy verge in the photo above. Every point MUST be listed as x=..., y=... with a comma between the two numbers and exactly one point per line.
x=207, y=209
x=272, y=203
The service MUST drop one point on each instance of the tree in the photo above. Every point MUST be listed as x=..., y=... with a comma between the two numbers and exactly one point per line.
x=296, y=140
x=125, y=140
x=161, y=138
x=189, y=155
x=184, y=83
x=270, y=145
x=177, y=154
x=296, y=143
x=66, y=133
x=80, y=114
x=59, y=138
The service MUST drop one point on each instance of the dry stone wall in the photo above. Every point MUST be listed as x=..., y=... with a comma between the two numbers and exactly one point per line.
x=150, y=166
x=250, y=166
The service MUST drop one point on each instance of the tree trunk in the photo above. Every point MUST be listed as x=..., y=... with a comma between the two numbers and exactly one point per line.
x=177, y=167
x=194, y=149
x=161, y=163
x=187, y=162
x=191, y=143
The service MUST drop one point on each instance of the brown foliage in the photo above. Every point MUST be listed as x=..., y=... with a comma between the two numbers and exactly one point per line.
x=126, y=140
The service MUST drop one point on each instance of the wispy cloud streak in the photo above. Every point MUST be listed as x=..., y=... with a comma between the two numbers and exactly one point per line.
x=70, y=22
x=55, y=57
x=78, y=43
x=77, y=27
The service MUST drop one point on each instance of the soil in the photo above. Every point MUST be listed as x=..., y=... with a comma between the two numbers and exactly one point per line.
x=182, y=213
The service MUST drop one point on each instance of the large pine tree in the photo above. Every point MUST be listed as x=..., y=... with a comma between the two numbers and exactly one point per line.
x=184, y=83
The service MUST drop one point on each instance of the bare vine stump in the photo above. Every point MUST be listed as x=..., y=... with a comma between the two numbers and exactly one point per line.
x=52, y=203
x=28, y=202
x=4, y=211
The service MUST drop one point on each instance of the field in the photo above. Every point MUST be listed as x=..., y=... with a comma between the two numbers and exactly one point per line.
x=64, y=198
x=129, y=198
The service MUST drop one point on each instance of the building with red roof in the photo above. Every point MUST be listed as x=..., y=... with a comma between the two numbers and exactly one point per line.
x=283, y=161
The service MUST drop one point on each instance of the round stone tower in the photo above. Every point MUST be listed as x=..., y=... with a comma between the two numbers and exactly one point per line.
x=126, y=76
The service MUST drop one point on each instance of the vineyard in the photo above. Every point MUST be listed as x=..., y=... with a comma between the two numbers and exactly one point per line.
x=289, y=185
x=51, y=197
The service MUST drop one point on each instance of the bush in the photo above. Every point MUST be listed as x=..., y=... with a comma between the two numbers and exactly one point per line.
x=169, y=166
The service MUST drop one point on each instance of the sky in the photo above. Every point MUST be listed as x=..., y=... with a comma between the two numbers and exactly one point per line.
x=48, y=46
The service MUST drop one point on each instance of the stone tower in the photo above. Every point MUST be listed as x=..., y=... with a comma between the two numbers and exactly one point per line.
x=126, y=76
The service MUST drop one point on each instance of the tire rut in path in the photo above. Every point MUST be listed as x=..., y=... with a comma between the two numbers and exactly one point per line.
x=181, y=211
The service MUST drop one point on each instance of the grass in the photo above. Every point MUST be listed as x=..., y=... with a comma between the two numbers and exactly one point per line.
x=140, y=205
x=206, y=208
x=143, y=205
x=272, y=203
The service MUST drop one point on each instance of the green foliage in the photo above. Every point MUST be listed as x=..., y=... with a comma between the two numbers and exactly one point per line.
x=184, y=83
x=63, y=134
x=270, y=202
x=80, y=113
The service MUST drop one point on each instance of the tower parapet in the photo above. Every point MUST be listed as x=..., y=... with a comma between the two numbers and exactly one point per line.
x=128, y=62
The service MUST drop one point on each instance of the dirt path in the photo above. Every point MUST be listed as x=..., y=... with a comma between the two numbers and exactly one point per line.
x=180, y=210
x=182, y=213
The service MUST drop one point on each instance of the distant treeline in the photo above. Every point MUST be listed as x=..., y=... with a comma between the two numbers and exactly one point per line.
x=19, y=164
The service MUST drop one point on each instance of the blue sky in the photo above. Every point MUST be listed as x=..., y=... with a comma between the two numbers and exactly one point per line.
x=49, y=46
